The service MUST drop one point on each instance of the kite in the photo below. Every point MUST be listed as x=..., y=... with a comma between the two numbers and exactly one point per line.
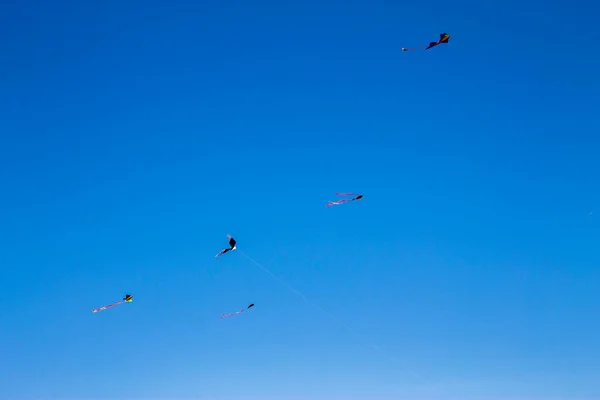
x=331, y=203
x=232, y=243
x=237, y=312
x=444, y=37
x=127, y=299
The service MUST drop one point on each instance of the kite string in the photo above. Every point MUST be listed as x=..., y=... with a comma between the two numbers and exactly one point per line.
x=265, y=269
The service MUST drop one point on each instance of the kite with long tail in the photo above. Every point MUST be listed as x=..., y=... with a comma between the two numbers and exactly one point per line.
x=127, y=299
x=238, y=312
x=444, y=38
x=232, y=244
x=355, y=197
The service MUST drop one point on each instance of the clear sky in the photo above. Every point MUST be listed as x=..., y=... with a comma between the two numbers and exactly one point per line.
x=134, y=135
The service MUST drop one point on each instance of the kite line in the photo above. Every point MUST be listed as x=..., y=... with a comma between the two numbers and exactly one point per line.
x=290, y=287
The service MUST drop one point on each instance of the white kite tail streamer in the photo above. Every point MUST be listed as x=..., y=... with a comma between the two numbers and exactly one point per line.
x=393, y=358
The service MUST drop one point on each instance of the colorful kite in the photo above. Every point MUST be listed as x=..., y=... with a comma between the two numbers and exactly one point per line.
x=127, y=299
x=237, y=312
x=357, y=197
x=444, y=37
x=232, y=243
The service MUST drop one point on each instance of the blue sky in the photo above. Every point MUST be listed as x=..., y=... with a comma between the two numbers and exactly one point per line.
x=136, y=135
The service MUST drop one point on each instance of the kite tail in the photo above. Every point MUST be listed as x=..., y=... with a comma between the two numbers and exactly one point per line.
x=346, y=194
x=333, y=203
x=108, y=306
x=235, y=313
x=413, y=48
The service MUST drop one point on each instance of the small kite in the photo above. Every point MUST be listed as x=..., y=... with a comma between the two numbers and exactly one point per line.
x=232, y=243
x=444, y=37
x=357, y=197
x=237, y=312
x=127, y=299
